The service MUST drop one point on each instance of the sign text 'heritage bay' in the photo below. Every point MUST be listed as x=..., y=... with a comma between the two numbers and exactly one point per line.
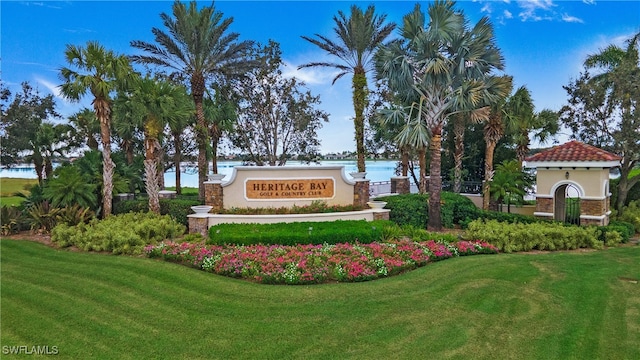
x=273, y=189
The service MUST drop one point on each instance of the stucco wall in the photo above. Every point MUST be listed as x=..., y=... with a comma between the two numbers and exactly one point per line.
x=236, y=196
x=591, y=182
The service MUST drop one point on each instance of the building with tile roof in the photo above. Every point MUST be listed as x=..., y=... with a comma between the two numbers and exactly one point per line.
x=572, y=183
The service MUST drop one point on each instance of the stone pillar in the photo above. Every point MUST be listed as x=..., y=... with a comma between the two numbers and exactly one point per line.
x=361, y=193
x=199, y=224
x=214, y=195
x=400, y=185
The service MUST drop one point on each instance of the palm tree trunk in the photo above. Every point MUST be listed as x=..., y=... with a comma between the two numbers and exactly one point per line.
x=103, y=113
x=359, y=104
x=458, y=130
x=197, y=91
x=405, y=160
x=151, y=171
x=177, y=158
x=151, y=184
x=422, y=161
x=435, y=182
x=488, y=174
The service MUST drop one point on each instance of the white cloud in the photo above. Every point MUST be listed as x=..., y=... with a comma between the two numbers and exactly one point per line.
x=53, y=89
x=507, y=14
x=569, y=18
x=530, y=8
x=589, y=2
x=311, y=76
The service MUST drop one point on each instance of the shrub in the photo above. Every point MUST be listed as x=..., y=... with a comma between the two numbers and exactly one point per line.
x=178, y=209
x=631, y=214
x=510, y=237
x=314, y=208
x=297, y=233
x=408, y=209
x=43, y=217
x=11, y=220
x=625, y=229
x=119, y=234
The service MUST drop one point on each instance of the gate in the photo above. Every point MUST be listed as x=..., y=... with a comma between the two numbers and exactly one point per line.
x=567, y=204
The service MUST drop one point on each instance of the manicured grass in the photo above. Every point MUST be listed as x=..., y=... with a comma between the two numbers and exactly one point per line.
x=10, y=186
x=581, y=305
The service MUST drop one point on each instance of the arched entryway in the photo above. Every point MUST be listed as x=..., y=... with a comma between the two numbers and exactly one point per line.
x=567, y=204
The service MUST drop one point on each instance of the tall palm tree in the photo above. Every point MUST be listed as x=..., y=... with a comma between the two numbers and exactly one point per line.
x=494, y=129
x=221, y=115
x=156, y=99
x=198, y=45
x=359, y=36
x=177, y=128
x=440, y=67
x=99, y=71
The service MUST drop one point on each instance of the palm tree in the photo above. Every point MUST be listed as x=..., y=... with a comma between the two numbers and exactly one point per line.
x=221, y=115
x=99, y=71
x=86, y=126
x=440, y=69
x=494, y=129
x=177, y=128
x=359, y=36
x=509, y=184
x=199, y=46
x=156, y=100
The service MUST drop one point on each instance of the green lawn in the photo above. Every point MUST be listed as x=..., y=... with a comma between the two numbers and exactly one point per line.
x=547, y=306
x=10, y=186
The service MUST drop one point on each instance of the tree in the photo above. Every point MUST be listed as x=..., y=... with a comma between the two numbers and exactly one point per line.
x=159, y=102
x=100, y=72
x=22, y=119
x=198, y=45
x=220, y=113
x=68, y=187
x=524, y=120
x=493, y=130
x=87, y=127
x=359, y=36
x=439, y=68
x=603, y=108
x=276, y=118
x=509, y=184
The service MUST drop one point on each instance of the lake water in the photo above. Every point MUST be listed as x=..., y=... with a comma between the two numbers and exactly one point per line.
x=378, y=170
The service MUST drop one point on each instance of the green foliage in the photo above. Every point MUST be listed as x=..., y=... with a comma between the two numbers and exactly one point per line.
x=630, y=214
x=178, y=209
x=538, y=236
x=69, y=187
x=43, y=217
x=314, y=208
x=298, y=233
x=118, y=234
x=413, y=209
x=74, y=215
x=11, y=220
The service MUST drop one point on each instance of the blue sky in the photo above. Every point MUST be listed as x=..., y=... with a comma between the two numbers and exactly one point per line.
x=544, y=42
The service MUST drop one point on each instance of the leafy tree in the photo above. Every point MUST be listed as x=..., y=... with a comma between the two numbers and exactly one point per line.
x=359, y=36
x=603, y=108
x=276, y=118
x=439, y=68
x=198, y=45
x=100, y=72
x=21, y=122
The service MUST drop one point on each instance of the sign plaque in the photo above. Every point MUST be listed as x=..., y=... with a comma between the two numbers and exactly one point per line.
x=286, y=189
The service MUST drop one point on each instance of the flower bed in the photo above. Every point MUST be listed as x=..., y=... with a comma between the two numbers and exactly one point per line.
x=312, y=264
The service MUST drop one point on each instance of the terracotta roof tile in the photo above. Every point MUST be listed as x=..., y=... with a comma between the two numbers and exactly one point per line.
x=573, y=151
